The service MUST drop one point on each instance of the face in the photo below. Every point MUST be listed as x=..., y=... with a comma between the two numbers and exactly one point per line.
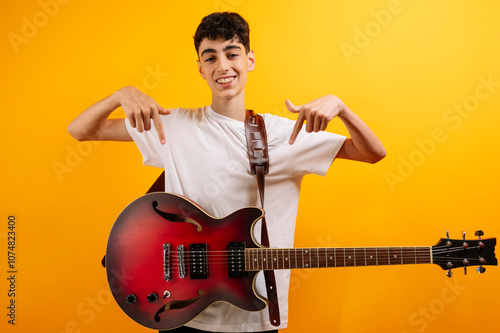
x=225, y=66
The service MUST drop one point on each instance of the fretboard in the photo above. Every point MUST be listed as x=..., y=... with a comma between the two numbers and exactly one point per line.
x=270, y=259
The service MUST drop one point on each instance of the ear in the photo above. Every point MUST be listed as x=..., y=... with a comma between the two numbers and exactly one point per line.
x=251, y=61
x=200, y=69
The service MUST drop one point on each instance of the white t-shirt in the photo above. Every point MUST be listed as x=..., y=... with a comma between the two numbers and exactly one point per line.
x=205, y=159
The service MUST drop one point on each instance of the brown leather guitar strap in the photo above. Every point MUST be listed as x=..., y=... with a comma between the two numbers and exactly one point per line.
x=256, y=136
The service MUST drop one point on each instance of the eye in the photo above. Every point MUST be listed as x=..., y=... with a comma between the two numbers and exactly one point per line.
x=209, y=59
x=233, y=55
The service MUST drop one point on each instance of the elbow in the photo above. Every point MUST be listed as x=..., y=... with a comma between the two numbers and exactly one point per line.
x=75, y=133
x=377, y=155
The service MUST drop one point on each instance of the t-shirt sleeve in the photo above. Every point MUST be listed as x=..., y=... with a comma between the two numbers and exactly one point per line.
x=148, y=142
x=311, y=152
x=314, y=152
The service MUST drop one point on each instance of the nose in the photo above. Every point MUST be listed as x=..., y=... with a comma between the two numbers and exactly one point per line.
x=222, y=65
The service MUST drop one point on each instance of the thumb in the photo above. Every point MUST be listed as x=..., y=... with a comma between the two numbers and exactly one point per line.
x=291, y=107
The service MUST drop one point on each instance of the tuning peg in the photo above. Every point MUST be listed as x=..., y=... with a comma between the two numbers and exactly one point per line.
x=466, y=262
x=465, y=270
x=480, y=269
x=463, y=235
x=447, y=234
x=449, y=273
x=479, y=233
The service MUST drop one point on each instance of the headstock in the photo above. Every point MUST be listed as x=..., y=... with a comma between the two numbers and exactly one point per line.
x=452, y=253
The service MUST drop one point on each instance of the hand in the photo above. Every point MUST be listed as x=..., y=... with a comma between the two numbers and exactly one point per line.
x=140, y=109
x=317, y=114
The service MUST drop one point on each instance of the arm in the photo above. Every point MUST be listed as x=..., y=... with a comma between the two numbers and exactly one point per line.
x=93, y=123
x=363, y=145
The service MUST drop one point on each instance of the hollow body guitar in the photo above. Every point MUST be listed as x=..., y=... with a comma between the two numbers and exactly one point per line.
x=167, y=259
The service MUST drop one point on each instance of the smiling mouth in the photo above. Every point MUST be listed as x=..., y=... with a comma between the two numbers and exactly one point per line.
x=225, y=80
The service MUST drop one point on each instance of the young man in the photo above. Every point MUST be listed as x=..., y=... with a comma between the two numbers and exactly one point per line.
x=204, y=150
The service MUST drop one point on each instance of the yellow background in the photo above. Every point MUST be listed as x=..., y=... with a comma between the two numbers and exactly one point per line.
x=403, y=66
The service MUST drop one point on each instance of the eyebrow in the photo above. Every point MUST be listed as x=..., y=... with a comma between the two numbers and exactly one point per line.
x=229, y=47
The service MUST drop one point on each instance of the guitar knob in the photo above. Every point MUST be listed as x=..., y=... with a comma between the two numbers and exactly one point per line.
x=480, y=269
x=153, y=297
x=449, y=273
x=131, y=299
x=479, y=233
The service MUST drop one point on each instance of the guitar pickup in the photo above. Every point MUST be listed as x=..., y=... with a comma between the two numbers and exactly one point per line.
x=198, y=264
x=236, y=259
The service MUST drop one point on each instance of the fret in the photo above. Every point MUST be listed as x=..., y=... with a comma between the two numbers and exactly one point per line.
x=340, y=258
x=383, y=256
x=371, y=256
x=394, y=254
x=407, y=256
x=359, y=257
x=274, y=253
x=349, y=257
x=365, y=256
x=310, y=258
x=254, y=259
x=293, y=258
x=306, y=258
x=335, y=256
x=249, y=260
x=326, y=257
x=313, y=254
x=259, y=260
x=300, y=258
x=424, y=255
x=265, y=262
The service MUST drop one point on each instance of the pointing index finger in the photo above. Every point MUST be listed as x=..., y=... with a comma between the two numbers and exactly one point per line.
x=159, y=127
x=297, y=128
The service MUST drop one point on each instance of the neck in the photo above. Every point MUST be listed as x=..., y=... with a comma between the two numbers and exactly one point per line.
x=232, y=107
x=272, y=258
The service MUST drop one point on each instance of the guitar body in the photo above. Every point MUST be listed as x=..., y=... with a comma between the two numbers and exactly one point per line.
x=162, y=286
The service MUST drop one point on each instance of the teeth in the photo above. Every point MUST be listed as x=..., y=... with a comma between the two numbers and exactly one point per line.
x=225, y=80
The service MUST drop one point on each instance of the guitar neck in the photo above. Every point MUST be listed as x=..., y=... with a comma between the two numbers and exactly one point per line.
x=257, y=259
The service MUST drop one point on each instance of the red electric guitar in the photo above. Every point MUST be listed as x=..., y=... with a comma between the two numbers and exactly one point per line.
x=167, y=259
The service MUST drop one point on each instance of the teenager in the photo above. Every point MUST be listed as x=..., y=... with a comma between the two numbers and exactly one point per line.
x=203, y=150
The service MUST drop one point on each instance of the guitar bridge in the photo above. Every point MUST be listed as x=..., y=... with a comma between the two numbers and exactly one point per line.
x=236, y=259
x=167, y=273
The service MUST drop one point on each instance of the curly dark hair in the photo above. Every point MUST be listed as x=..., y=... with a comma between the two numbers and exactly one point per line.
x=223, y=25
